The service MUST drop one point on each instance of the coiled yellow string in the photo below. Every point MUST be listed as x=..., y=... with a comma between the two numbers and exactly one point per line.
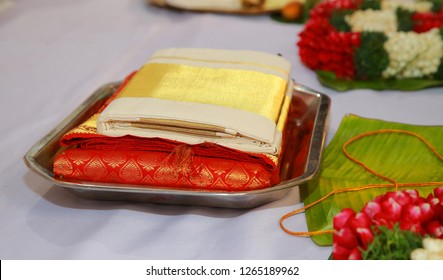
x=392, y=183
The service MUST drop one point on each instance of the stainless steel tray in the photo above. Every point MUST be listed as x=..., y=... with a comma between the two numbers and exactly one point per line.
x=306, y=136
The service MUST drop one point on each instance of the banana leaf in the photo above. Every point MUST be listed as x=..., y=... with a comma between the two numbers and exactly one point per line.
x=401, y=157
x=329, y=79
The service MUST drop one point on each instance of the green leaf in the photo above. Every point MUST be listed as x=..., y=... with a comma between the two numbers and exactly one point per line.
x=404, y=19
x=436, y=5
x=329, y=79
x=400, y=157
x=338, y=21
x=370, y=5
x=392, y=244
x=371, y=58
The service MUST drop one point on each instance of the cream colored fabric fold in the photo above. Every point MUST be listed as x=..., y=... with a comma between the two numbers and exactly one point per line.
x=232, y=98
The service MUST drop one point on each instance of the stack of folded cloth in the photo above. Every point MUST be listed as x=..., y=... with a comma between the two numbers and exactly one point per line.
x=189, y=118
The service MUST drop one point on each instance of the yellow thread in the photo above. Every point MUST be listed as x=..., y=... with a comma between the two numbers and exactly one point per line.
x=393, y=183
x=180, y=159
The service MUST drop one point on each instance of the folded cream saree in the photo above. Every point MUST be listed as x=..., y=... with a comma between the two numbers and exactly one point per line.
x=88, y=155
x=236, y=99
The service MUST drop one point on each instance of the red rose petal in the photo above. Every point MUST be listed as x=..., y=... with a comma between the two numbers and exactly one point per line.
x=355, y=254
x=345, y=237
x=435, y=228
x=392, y=209
x=412, y=213
x=438, y=192
x=341, y=219
x=340, y=252
x=371, y=209
x=365, y=235
x=360, y=220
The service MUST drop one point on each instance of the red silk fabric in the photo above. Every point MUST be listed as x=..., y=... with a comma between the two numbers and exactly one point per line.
x=152, y=162
x=179, y=169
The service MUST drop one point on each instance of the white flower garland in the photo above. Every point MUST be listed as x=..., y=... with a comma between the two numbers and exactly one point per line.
x=432, y=250
x=411, y=55
x=372, y=20
x=413, y=6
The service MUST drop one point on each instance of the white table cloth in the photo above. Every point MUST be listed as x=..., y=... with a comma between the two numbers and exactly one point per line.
x=55, y=53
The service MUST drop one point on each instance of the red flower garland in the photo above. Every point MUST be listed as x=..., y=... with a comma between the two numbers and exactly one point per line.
x=426, y=21
x=322, y=47
x=324, y=9
x=354, y=231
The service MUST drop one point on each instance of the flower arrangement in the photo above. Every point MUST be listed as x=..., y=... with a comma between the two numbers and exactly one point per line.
x=372, y=40
x=392, y=226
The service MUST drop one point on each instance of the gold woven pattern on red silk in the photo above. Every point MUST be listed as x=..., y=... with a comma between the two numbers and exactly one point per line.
x=161, y=169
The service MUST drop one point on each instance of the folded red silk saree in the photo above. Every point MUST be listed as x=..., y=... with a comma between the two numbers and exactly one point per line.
x=152, y=162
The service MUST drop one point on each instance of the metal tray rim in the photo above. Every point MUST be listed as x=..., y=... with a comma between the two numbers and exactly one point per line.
x=313, y=161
